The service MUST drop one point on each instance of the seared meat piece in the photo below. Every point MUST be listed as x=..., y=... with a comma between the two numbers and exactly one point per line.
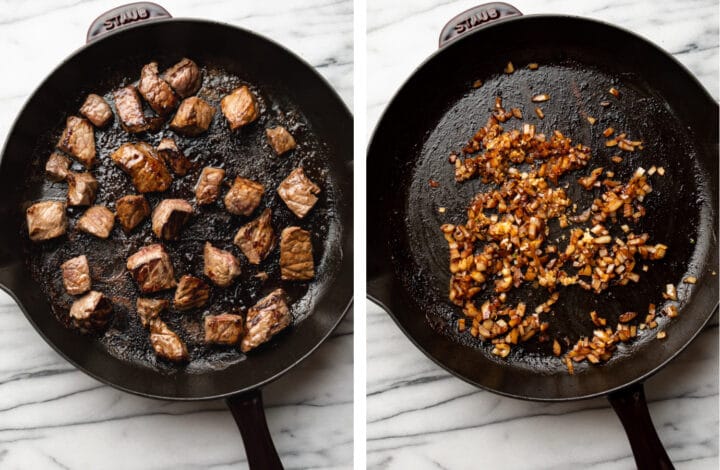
x=150, y=309
x=220, y=266
x=91, y=311
x=169, y=217
x=141, y=162
x=78, y=139
x=173, y=156
x=98, y=221
x=239, y=107
x=76, y=275
x=244, y=196
x=225, y=328
x=166, y=343
x=280, y=139
x=151, y=268
x=193, y=117
x=131, y=210
x=296, y=257
x=156, y=91
x=191, y=292
x=298, y=192
x=57, y=167
x=208, y=186
x=265, y=319
x=130, y=110
x=256, y=239
x=46, y=220
x=96, y=110
x=82, y=188
x=184, y=77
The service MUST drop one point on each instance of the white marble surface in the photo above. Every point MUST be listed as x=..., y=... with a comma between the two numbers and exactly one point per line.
x=421, y=417
x=54, y=417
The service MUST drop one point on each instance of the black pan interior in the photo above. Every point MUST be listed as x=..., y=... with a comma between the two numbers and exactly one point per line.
x=660, y=103
x=290, y=94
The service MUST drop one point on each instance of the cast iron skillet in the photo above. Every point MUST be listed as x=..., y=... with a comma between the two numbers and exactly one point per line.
x=134, y=42
x=437, y=110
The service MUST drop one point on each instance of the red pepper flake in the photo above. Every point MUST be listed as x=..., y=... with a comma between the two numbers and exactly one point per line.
x=433, y=183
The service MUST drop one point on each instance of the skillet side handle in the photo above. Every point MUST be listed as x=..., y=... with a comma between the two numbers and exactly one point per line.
x=249, y=413
x=631, y=407
x=475, y=18
x=122, y=16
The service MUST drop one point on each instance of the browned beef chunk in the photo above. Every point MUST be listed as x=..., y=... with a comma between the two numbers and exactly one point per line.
x=78, y=139
x=184, y=77
x=220, y=266
x=225, y=328
x=296, y=257
x=169, y=217
x=173, y=156
x=130, y=110
x=76, y=275
x=57, y=167
x=280, y=139
x=244, y=196
x=156, y=91
x=82, y=188
x=131, y=210
x=91, y=311
x=193, y=117
x=150, y=309
x=96, y=110
x=151, y=268
x=239, y=107
x=141, y=162
x=46, y=220
x=298, y=192
x=208, y=186
x=256, y=239
x=191, y=292
x=166, y=343
x=98, y=221
x=265, y=319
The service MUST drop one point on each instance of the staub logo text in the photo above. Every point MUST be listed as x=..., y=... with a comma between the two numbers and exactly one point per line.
x=127, y=16
x=476, y=19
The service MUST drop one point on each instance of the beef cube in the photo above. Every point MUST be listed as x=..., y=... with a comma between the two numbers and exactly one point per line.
x=96, y=110
x=169, y=217
x=166, y=343
x=150, y=309
x=191, y=292
x=46, y=220
x=265, y=319
x=298, y=192
x=225, y=328
x=130, y=110
x=193, y=117
x=57, y=167
x=244, y=196
x=82, y=188
x=156, y=91
x=184, y=77
x=76, y=275
x=208, y=186
x=296, y=257
x=141, y=162
x=220, y=266
x=239, y=107
x=280, y=139
x=151, y=268
x=91, y=311
x=173, y=156
x=98, y=221
x=256, y=239
x=131, y=210
x=78, y=139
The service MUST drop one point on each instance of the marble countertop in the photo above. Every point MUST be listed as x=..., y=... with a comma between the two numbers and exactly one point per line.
x=53, y=416
x=421, y=417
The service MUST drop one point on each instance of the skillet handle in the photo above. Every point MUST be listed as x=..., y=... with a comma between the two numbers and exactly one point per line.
x=249, y=413
x=631, y=407
x=124, y=15
x=474, y=18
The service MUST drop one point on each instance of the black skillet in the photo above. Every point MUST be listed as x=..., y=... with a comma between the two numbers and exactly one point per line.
x=437, y=110
x=135, y=40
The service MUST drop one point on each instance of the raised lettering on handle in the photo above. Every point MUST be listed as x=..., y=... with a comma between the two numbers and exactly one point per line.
x=125, y=15
x=474, y=18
